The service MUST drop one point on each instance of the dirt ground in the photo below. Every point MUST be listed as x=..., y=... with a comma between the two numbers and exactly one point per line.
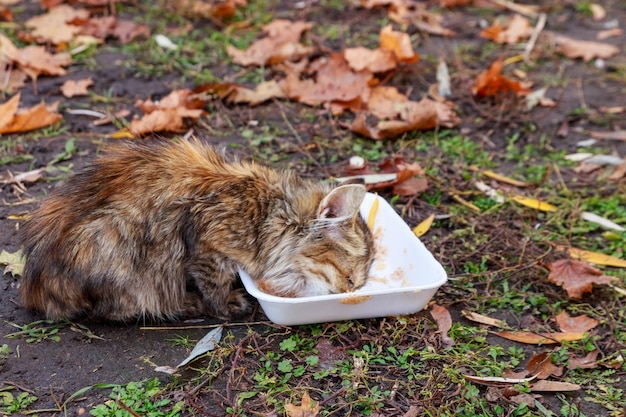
x=54, y=370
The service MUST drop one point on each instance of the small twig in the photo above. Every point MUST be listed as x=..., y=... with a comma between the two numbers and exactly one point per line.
x=16, y=385
x=541, y=23
x=206, y=326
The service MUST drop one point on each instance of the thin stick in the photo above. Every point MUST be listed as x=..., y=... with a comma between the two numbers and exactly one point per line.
x=205, y=326
x=541, y=23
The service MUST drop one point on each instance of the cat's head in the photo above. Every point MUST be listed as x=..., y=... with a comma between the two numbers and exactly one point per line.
x=336, y=253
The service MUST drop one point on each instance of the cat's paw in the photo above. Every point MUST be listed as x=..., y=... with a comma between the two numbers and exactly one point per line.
x=239, y=303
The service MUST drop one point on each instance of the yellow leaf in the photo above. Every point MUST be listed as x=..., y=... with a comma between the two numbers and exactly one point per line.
x=372, y=215
x=499, y=177
x=122, y=134
x=424, y=226
x=466, y=203
x=541, y=338
x=533, y=203
x=593, y=257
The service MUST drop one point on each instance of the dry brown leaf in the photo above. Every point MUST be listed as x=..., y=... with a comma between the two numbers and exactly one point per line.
x=515, y=29
x=71, y=88
x=598, y=12
x=158, y=121
x=11, y=79
x=308, y=408
x=399, y=43
x=54, y=27
x=580, y=323
x=444, y=322
x=553, y=386
x=535, y=338
x=334, y=81
x=576, y=277
x=265, y=91
x=34, y=60
x=281, y=43
x=23, y=120
x=619, y=172
x=402, y=115
x=479, y=318
x=492, y=82
x=588, y=361
x=126, y=31
x=586, y=50
x=454, y=3
x=167, y=114
x=609, y=33
x=181, y=100
x=410, y=11
x=373, y=60
x=8, y=110
x=614, y=135
x=540, y=365
x=411, y=187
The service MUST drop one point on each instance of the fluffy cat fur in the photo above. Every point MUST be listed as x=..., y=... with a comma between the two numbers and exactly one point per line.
x=159, y=230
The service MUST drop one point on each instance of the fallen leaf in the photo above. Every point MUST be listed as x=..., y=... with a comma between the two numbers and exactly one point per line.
x=593, y=257
x=604, y=222
x=609, y=33
x=587, y=50
x=334, y=81
x=371, y=218
x=13, y=262
x=25, y=177
x=588, y=361
x=533, y=203
x=482, y=319
x=127, y=30
x=71, y=88
x=422, y=228
x=11, y=78
x=34, y=60
x=576, y=277
x=492, y=82
x=553, y=386
x=444, y=322
x=616, y=135
x=514, y=30
x=500, y=177
x=373, y=60
x=399, y=43
x=541, y=366
x=410, y=187
x=580, y=323
x=265, y=91
x=23, y=120
x=204, y=345
x=281, y=43
x=598, y=12
x=158, y=121
x=410, y=11
x=490, y=192
x=535, y=338
x=308, y=407
x=53, y=26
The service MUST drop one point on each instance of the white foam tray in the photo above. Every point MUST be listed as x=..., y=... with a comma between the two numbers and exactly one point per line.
x=403, y=279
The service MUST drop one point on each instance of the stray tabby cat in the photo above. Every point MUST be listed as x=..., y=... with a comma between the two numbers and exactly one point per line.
x=159, y=230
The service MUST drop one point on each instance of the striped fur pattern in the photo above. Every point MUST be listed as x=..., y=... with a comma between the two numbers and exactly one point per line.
x=157, y=230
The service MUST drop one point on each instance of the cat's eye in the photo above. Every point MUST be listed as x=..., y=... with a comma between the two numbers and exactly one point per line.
x=350, y=282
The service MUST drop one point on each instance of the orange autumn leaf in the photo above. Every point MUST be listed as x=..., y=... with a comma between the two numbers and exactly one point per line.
x=54, y=26
x=14, y=120
x=576, y=277
x=515, y=29
x=308, y=408
x=281, y=43
x=374, y=60
x=492, y=82
x=71, y=88
x=580, y=323
x=334, y=81
x=399, y=43
x=34, y=60
x=416, y=13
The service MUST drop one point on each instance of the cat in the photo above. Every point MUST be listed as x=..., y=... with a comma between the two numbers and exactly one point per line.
x=158, y=230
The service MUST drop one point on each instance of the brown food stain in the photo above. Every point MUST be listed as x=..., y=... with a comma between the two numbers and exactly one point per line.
x=355, y=299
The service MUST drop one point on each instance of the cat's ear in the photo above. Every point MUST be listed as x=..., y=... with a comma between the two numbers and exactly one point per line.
x=342, y=203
